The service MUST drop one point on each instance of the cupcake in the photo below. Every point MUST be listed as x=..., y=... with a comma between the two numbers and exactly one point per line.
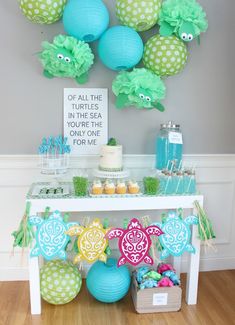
x=109, y=188
x=121, y=188
x=133, y=187
x=97, y=188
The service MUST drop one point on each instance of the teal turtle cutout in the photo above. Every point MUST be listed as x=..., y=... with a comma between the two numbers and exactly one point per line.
x=50, y=236
x=176, y=236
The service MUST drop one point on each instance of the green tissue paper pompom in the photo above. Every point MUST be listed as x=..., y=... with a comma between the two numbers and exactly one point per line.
x=60, y=282
x=66, y=57
x=140, y=88
x=165, y=56
x=184, y=18
x=138, y=14
x=42, y=11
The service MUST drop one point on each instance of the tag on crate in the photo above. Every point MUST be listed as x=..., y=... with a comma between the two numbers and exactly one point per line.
x=160, y=299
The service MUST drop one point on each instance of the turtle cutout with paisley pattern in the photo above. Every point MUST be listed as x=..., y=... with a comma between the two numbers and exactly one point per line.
x=91, y=242
x=177, y=234
x=134, y=242
x=51, y=240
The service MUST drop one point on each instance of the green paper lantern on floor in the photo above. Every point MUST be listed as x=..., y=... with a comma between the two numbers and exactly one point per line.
x=165, y=56
x=138, y=14
x=42, y=11
x=60, y=282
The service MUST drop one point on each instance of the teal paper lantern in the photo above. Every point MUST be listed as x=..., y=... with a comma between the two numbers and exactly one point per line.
x=42, y=11
x=60, y=282
x=165, y=56
x=85, y=20
x=107, y=282
x=120, y=48
x=138, y=14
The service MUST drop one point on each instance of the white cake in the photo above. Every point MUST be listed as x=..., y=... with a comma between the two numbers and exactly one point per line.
x=111, y=158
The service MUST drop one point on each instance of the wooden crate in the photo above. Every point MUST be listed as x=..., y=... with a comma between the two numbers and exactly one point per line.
x=155, y=300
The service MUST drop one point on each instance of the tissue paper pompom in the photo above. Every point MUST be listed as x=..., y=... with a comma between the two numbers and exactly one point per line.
x=66, y=57
x=185, y=18
x=138, y=14
x=165, y=56
x=42, y=11
x=140, y=88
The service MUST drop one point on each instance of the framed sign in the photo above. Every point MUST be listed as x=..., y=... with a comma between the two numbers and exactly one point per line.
x=86, y=119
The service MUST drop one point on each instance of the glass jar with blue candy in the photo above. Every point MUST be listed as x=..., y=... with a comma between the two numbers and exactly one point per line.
x=169, y=146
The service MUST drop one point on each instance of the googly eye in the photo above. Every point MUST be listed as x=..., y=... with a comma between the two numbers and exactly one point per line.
x=141, y=96
x=190, y=37
x=67, y=59
x=148, y=98
x=60, y=56
x=184, y=36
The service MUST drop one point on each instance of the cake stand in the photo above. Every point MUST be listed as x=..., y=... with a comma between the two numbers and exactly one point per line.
x=111, y=175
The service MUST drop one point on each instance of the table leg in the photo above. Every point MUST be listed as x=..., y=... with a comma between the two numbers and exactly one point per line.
x=34, y=281
x=193, y=270
x=177, y=264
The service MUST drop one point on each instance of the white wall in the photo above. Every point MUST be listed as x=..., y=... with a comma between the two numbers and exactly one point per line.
x=216, y=180
x=201, y=98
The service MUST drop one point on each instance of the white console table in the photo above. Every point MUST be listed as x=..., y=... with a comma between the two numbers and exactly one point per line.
x=89, y=204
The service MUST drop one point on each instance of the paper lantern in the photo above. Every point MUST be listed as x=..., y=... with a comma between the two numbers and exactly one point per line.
x=42, y=11
x=120, y=48
x=165, y=56
x=108, y=283
x=60, y=282
x=85, y=20
x=138, y=14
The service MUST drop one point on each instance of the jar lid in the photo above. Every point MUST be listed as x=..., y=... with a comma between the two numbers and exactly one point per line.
x=170, y=125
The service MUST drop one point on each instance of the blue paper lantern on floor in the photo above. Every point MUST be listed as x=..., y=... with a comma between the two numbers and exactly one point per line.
x=108, y=283
x=120, y=48
x=85, y=20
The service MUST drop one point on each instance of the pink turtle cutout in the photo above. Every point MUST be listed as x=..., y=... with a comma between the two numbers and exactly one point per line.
x=134, y=242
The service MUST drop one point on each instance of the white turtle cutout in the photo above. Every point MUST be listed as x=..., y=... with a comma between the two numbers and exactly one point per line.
x=50, y=236
x=176, y=237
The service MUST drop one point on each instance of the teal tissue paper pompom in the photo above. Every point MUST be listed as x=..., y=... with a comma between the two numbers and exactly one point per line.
x=85, y=20
x=108, y=283
x=42, y=11
x=120, y=48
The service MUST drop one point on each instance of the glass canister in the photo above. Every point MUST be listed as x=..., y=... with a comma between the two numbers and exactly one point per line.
x=169, y=146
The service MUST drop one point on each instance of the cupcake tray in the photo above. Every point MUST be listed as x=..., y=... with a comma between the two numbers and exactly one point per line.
x=115, y=195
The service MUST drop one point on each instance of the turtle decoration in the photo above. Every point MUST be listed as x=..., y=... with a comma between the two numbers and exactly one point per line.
x=66, y=57
x=177, y=234
x=140, y=88
x=50, y=236
x=134, y=242
x=184, y=18
x=91, y=242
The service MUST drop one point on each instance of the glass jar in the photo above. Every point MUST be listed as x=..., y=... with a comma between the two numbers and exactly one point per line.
x=169, y=146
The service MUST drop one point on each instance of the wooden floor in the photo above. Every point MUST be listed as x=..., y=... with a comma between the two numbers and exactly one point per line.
x=216, y=305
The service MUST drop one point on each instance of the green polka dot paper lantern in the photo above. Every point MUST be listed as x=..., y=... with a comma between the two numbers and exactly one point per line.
x=60, y=282
x=138, y=14
x=42, y=11
x=165, y=56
